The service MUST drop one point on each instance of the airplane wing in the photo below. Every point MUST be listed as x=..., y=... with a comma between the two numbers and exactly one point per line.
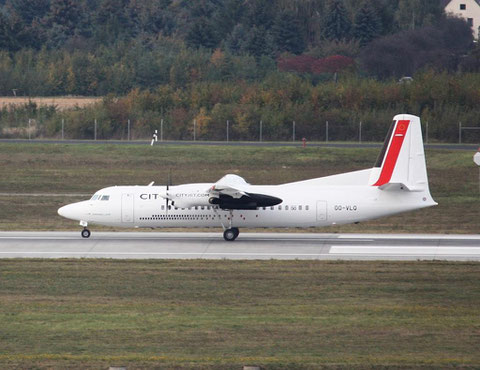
x=231, y=185
x=232, y=192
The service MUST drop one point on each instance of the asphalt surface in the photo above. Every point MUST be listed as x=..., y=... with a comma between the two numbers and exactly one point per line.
x=248, y=246
x=469, y=147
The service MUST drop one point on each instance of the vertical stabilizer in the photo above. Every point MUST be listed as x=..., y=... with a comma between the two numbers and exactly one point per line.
x=402, y=159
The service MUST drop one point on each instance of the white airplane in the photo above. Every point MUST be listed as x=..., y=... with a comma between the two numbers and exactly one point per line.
x=397, y=183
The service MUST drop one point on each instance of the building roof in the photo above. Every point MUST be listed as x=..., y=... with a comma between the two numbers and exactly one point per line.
x=444, y=3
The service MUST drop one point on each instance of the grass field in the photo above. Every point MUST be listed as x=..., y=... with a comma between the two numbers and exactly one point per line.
x=225, y=314
x=61, y=102
x=51, y=168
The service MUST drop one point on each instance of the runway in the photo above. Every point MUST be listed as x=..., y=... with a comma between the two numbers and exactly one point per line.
x=248, y=246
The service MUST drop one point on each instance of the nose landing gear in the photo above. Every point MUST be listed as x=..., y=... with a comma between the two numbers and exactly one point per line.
x=85, y=233
x=231, y=234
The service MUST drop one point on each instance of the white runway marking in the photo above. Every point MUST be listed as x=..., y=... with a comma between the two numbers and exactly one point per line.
x=406, y=251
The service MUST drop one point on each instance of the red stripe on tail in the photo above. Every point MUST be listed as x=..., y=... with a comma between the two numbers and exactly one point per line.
x=393, y=151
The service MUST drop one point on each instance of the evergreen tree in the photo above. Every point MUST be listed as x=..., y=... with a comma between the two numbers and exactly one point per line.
x=337, y=23
x=202, y=34
x=112, y=23
x=229, y=14
x=260, y=13
x=287, y=35
x=7, y=39
x=64, y=20
x=367, y=24
x=28, y=10
x=260, y=42
x=236, y=42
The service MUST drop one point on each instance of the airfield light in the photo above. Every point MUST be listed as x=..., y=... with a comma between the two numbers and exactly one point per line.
x=476, y=159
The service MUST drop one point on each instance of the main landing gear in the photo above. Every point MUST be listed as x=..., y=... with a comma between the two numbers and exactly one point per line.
x=85, y=233
x=231, y=234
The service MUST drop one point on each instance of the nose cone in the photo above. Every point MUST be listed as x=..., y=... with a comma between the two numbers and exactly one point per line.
x=72, y=211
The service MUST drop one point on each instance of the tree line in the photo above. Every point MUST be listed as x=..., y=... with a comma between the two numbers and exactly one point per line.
x=117, y=45
x=277, y=102
x=125, y=66
x=255, y=26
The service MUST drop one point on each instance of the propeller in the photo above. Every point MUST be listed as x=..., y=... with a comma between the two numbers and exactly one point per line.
x=169, y=183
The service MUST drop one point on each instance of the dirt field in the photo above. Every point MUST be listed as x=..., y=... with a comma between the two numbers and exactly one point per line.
x=62, y=102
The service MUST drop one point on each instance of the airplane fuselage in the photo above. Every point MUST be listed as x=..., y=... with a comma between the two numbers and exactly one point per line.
x=306, y=206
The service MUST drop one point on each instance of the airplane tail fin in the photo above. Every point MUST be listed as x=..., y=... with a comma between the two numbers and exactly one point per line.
x=401, y=163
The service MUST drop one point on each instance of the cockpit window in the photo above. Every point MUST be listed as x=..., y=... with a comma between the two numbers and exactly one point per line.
x=105, y=197
x=94, y=197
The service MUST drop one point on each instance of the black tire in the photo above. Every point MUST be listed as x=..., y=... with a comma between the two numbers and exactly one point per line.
x=229, y=235
x=236, y=231
x=85, y=233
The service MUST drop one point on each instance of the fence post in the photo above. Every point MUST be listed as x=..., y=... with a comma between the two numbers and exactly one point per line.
x=426, y=132
x=326, y=132
x=194, y=130
x=228, y=124
x=293, y=137
x=29, y=133
x=128, y=130
x=360, y=132
x=95, y=131
x=161, y=129
x=63, y=128
x=261, y=129
x=460, y=132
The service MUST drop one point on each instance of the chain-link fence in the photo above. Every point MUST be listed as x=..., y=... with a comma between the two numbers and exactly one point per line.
x=294, y=131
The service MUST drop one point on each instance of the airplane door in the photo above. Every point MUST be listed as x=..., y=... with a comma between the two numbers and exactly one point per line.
x=321, y=210
x=127, y=207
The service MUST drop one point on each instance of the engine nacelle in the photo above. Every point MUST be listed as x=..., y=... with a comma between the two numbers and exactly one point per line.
x=249, y=201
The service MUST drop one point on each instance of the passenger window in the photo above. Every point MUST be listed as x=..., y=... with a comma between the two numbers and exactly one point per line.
x=202, y=207
x=294, y=208
x=299, y=208
x=279, y=208
x=163, y=208
x=286, y=208
x=105, y=197
x=272, y=208
x=307, y=208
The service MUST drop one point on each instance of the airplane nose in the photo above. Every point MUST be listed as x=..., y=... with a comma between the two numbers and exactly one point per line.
x=71, y=211
x=65, y=211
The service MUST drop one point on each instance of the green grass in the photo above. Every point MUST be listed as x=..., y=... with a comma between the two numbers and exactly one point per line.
x=224, y=314
x=54, y=168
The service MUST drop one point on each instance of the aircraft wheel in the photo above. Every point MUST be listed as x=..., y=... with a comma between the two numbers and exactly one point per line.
x=230, y=235
x=236, y=231
x=85, y=233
